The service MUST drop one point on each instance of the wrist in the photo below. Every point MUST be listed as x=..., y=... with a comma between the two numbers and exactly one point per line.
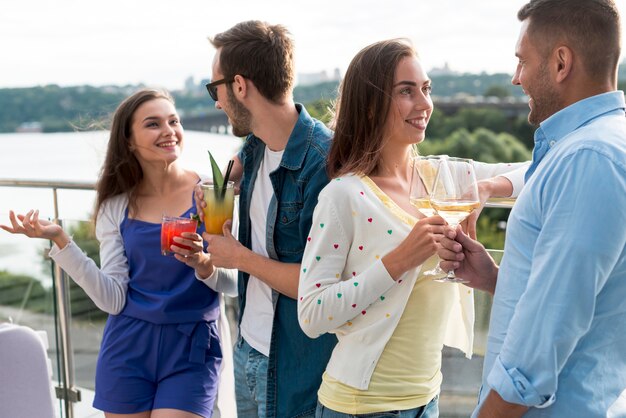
x=395, y=264
x=244, y=259
x=486, y=188
x=500, y=186
x=491, y=276
x=205, y=267
x=61, y=240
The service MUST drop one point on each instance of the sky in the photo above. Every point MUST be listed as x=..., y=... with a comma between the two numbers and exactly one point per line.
x=162, y=43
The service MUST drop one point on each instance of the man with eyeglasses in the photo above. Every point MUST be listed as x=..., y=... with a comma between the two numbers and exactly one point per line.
x=282, y=166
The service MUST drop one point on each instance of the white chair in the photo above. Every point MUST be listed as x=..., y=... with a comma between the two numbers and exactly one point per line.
x=25, y=374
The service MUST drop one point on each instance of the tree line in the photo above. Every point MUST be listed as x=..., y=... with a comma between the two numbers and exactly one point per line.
x=59, y=109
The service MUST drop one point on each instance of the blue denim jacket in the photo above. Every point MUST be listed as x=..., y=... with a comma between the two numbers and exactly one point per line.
x=296, y=362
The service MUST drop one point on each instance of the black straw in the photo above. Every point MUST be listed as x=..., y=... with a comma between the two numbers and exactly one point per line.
x=226, y=176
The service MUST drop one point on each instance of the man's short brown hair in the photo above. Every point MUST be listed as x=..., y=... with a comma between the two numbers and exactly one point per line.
x=261, y=52
x=590, y=27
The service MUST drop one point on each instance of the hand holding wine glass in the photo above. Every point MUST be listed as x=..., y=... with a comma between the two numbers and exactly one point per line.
x=454, y=196
x=423, y=174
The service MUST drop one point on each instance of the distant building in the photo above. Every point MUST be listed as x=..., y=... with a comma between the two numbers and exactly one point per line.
x=190, y=85
x=445, y=70
x=30, y=127
x=309, y=79
x=193, y=88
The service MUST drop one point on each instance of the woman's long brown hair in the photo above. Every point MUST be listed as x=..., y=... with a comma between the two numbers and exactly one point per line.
x=362, y=108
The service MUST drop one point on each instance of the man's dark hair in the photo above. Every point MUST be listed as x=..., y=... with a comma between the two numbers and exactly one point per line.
x=261, y=52
x=590, y=27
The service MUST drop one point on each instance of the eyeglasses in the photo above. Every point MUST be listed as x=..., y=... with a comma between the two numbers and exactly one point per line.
x=212, y=86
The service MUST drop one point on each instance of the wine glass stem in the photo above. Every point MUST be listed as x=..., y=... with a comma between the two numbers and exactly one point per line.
x=451, y=274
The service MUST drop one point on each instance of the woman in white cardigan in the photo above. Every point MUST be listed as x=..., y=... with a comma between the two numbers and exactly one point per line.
x=360, y=276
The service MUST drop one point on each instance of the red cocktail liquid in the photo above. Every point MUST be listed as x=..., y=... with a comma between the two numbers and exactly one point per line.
x=173, y=227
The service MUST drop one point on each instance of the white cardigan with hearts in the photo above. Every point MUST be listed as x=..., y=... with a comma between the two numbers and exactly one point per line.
x=342, y=277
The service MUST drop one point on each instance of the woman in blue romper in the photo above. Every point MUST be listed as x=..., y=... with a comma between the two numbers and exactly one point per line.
x=160, y=354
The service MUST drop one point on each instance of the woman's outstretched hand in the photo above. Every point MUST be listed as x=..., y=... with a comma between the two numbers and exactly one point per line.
x=33, y=227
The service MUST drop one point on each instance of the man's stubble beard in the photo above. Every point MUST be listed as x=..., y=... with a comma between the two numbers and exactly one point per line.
x=241, y=118
x=546, y=101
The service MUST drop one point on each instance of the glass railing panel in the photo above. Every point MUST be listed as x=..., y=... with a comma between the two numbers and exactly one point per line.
x=26, y=290
x=27, y=298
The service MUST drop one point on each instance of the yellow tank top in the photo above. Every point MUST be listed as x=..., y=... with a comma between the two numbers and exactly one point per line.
x=408, y=372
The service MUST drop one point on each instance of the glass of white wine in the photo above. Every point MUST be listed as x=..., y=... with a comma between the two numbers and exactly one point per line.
x=454, y=196
x=423, y=177
x=422, y=180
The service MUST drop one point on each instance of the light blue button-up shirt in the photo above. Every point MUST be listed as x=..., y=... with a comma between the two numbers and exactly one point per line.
x=557, y=335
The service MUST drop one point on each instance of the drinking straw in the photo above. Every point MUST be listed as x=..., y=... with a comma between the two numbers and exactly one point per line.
x=226, y=176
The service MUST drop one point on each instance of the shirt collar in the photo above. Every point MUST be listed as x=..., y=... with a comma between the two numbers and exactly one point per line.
x=562, y=123
x=567, y=120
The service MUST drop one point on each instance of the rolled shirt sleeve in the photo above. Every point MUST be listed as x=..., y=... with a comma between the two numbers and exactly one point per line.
x=514, y=387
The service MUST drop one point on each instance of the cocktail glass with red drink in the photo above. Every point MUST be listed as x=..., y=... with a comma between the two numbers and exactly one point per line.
x=173, y=226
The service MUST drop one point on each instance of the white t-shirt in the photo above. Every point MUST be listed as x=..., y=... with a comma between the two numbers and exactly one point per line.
x=258, y=315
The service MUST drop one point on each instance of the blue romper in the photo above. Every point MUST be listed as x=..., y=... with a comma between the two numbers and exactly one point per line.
x=162, y=350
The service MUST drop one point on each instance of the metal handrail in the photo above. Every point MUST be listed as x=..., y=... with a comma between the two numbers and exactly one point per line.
x=501, y=202
x=48, y=184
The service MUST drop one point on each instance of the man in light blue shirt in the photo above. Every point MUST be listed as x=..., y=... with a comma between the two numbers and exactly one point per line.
x=557, y=336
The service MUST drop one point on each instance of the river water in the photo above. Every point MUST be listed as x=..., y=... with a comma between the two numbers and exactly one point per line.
x=73, y=156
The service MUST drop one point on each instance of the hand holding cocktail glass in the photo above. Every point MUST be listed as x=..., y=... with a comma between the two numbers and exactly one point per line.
x=178, y=236
x=216, y=201
x=218, y=214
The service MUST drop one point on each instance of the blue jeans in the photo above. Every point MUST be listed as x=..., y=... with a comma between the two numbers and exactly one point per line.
x=430, y=410
x=250, y=380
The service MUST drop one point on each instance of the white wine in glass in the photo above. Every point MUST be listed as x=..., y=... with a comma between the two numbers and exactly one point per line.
x=423, y=177
x=423, y=205
x=454, y=212
x=454, y=196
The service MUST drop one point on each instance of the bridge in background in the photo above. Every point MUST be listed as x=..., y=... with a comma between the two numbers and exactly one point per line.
x=512, y=108
x=215, y=122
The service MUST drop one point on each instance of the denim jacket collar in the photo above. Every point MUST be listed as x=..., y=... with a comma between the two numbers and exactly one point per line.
x=299, y=141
